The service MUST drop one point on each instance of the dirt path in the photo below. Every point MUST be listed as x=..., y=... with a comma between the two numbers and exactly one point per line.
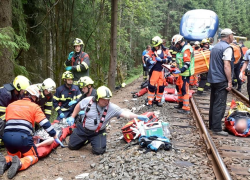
x=66, y=164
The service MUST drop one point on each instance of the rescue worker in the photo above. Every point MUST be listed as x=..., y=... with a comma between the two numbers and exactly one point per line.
x=78, y=61
x=236, y=79
x=145, y=69
x=220, y=77
x=155, y=58
x=197, y=47
x=45, y=101
x=86, y=86
x=246, y=68
x=65, y=96
x=185, y=62
x=98, y=112
x=211, y=41
x=10, y=93
x=173, y=51
x=21, y=116
x=203, y=84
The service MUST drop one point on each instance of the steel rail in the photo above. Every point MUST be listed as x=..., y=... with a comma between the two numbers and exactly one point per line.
x=209, y=142
x=242, y=96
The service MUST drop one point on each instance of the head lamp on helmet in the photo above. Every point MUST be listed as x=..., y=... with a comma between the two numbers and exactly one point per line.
x=21, y=82
x=85, y=81
x=156, y=41
x=67, y=75
x=103, y=92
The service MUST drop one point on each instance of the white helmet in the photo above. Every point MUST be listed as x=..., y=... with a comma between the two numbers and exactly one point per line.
x=49, y=84
x=33, y=90
x=177, y=38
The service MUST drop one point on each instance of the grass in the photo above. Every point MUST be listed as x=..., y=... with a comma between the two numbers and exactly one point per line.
x=133, y=74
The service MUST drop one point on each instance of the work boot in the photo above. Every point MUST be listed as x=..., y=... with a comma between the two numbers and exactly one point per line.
x=159, y=104
x=239, y=89
x=15, y=166
x=150, y=106
x=183, y=111
x=3, y=164
x=220, y=133
x=179, y=106
x=200, y=93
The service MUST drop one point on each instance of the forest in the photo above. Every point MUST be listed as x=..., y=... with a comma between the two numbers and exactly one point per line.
x=36, y=36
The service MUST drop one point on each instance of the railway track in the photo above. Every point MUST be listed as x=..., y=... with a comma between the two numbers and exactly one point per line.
x=230, y=156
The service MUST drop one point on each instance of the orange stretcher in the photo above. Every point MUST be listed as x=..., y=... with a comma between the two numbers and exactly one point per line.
x=201, y=62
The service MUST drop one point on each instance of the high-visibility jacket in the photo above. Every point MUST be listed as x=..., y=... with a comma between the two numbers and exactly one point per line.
x=7, y=96
x=63, y=96
x=80, y=65
x=21, y=116
x=45, y=102
x=152, y=54
x=181, y=63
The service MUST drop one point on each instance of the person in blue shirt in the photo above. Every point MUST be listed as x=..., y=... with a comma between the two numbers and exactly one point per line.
x=65, y=96
x=145, y=69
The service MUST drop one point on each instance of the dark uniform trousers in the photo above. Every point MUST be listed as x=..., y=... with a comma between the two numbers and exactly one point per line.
x=218, y=99
x=81, y=136
x=248, y=87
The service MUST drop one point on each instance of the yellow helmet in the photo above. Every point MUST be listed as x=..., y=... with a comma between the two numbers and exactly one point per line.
x=103, y=92
x=204, y=41
x=156, y=41
x=67, y=75
x=21, y=82
x=78, y=41
x=84, y=81
x=176, y=38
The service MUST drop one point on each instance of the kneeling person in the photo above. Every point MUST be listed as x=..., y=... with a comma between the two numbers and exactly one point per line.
x=98, y=112
x=21, y=116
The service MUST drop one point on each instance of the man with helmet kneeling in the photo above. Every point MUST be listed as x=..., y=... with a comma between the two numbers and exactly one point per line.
x=78, y=61
x=65, y=96
x=98, y=112
x=10, y=93
x=21, y=116
x=46, y=97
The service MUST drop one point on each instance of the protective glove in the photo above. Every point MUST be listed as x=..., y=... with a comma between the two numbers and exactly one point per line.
x=59, y=142
x=68, y=68
x=62, y=115
x=177, y=72
x=241, y=75
x=142, y=118
x=158, y=59
x=72, y=102
x=71, y=55
x=81, y=113
x=144, y=65
x=70, y=121
x=151, y=62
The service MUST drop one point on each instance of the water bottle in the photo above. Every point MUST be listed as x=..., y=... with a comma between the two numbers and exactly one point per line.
x=166, y=132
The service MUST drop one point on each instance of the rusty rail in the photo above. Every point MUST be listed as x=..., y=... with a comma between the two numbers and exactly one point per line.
x=244, y=98
x=221, y=170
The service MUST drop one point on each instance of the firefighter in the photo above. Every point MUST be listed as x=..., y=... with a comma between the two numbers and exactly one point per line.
x=145, y=69
x=203, y=84
x=197, y=47
x=185, y=61
x=246, y=68
x=155, y=58
x=65, y=96
x=10, y=93
x=98, y=112
x=45, y=101
x=21, y=116
x=78, y=61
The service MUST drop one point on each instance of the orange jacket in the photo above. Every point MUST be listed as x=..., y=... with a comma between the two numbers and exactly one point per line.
x=22, y=115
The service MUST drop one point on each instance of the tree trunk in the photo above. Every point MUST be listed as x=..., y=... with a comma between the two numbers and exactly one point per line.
x=113, y=47
x=6, y=66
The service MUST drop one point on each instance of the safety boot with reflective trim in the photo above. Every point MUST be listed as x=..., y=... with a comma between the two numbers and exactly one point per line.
x=3, y=164
x=15, y=166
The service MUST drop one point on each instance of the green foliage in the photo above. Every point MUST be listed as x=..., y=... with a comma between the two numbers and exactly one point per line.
x=247, y=44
